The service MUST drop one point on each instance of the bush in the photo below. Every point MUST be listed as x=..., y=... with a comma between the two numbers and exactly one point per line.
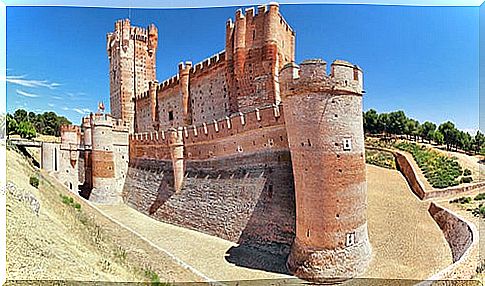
x=462, y=200
x=439, y=170
x=380, y=158
x=480, y=197
x=467, y=172
x=466, y=180
x=34, y=181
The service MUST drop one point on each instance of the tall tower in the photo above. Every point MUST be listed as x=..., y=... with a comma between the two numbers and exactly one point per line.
x=323, y=116
x=132, y=65
x=258, y=45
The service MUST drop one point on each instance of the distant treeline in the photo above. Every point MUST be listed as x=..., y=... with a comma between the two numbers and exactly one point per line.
x=28, y=124
x=397, y=123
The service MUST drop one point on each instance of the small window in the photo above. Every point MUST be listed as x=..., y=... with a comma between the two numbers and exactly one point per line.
x=350, y=239
x=254, y=34
x=347, y=144
x=170, y=115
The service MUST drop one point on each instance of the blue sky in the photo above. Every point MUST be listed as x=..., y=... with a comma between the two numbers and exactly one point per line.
x=423, y=60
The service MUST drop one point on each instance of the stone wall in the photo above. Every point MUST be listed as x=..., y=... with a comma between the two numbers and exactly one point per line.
x=248, y=199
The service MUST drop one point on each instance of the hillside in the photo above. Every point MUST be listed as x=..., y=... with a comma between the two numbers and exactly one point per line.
x=54, y=235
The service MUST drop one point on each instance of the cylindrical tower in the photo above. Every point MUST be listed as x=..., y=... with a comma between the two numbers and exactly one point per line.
x=323, y=117
x=102, y=160
x=184, y=73
x=69, y=156
x=86, y=128
x=176, y=145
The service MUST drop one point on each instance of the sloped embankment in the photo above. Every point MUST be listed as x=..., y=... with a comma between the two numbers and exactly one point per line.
x=69, y=240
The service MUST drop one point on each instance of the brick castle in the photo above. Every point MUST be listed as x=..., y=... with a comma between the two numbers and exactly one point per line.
x=245, y=145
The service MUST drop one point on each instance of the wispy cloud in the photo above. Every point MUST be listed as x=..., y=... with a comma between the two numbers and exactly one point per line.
x=22, y=81
x=87, y=110
x=56, y=97
x=78, y=110
x=27, y=94
x=51, y=104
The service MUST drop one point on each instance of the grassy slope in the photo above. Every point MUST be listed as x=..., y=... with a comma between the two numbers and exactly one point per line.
x=63, y=243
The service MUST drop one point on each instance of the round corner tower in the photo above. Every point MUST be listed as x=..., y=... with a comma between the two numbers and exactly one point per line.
x=323, y=116
x=103, y=178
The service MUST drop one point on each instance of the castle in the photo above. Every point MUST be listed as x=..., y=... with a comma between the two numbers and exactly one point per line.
x=245, y=145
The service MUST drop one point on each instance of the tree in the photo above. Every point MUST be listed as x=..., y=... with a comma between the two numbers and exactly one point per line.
x=438, y=137
x=20, y=115
x=448, y=130
x=426, y=130
x=397, y=122
x=11, y=125
x=2, y=126
x=479, y=141
x=371, y=122
x=412, y=128
x=383, y=123
x=26, y=130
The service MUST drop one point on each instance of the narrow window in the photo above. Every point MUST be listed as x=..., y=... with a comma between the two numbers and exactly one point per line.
x=55, y=159
x=254, y=34
x=350, y=239
x=270, y=191
x=347, y=144
x=170, y=115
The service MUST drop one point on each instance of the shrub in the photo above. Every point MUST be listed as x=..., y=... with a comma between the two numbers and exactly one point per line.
x=462, y=200
x=439, y=170
x=467, y=172
x=465, y=180
x=34, y=181
x=480, y=197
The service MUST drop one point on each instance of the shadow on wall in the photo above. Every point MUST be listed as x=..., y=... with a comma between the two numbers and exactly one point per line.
x=164, y=192
x=265, y=242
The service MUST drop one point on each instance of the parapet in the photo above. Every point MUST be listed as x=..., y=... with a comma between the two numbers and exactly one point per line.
x=101, y=119
x=70, y=128
x=311, y=76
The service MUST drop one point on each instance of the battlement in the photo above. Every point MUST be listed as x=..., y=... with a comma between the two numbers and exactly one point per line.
x=252, y=14
x=208, y=63
x=70, y=128
x=311, y=76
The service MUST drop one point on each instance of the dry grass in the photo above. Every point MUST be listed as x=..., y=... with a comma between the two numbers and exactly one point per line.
x=63, y=243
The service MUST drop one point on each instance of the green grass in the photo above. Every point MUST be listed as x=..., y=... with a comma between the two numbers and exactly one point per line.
x=440, y=171
x=480, y=197
x=462, y=200
x=380, y=158
x=34, y=181
x=70, y=202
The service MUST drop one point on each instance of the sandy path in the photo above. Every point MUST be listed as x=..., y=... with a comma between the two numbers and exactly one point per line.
x=406, y=241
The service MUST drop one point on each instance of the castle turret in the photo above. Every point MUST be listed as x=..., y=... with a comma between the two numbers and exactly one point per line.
x=69, y=157
x=184, y=72
x=102, y=160
x=152, y=92
x=257, y=46
x=323, y=116
x=132, y=56
x=176, y=145
x=87, y=138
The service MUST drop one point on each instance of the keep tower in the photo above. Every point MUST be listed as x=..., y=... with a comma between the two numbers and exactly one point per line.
x=323, y=117
x=132, y=65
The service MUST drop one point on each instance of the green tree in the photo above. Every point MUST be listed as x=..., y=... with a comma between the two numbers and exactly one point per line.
x=20, y=115
x=397, y=122
x=371, y=122
x=426, y=130
x=383, y=123
x=11, y=125
x=26, y=130
x=438, y=137
x=448, y=130
x=479, y=141
x=412, y=128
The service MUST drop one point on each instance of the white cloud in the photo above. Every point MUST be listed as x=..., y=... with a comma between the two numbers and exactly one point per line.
x=56, y=97
x=78, y=110
x=22, y=81
x=27, y=94
x=87, y=110
x=51, y=104
x=65, y=108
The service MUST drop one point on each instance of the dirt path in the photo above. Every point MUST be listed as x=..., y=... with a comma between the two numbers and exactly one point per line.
x=201, y=251
x=406, y=241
